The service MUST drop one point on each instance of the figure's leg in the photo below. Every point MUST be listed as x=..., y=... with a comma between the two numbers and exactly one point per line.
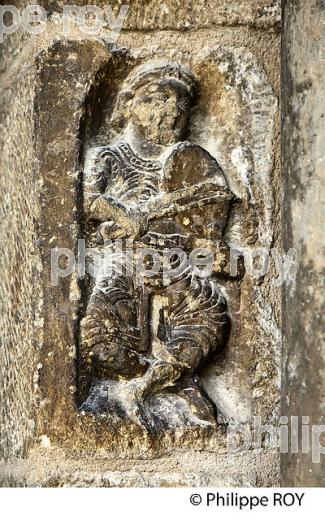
x=194, y=325
x=109, y=334
x=198, y=324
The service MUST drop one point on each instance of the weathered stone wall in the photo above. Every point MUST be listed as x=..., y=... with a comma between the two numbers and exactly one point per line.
x=20, y=292
x=45, y=83
x=303, y=195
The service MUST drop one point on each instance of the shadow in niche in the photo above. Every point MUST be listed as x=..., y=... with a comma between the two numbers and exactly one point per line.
x=216, y=358
x=94, y=130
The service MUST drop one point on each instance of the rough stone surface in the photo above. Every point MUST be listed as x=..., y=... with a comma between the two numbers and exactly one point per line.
x=20, y=292
x=50, y=468
x=304, y=189
x=144, y=15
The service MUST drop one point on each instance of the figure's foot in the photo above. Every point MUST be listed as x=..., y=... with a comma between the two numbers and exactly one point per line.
x=133, y=402
x=120, y=401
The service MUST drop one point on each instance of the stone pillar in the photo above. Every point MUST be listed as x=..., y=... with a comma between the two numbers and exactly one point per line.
x=303, y=168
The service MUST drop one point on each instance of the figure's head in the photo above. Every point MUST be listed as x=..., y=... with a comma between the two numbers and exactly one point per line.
x=160, y=111
x=160, y=98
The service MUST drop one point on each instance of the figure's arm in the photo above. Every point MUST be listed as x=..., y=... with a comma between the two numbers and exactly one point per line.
x=118, y=219
x=97, y=205
x=170, y=204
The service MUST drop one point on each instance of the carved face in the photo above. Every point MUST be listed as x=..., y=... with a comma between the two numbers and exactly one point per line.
x=160, y=111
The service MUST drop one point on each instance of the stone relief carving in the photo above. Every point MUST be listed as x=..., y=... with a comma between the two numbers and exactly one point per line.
x=142, y=345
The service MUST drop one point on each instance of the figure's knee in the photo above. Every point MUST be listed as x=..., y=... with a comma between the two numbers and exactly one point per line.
x=113, y=360
x=109, y=343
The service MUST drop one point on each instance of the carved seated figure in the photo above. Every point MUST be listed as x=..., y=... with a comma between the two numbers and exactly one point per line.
x=142, y=345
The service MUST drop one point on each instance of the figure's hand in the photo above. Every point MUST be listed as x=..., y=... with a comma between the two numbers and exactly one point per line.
x=159, y=375
x=120, y=220
x=128, y=228
x=111, y=230
x=165, y=240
